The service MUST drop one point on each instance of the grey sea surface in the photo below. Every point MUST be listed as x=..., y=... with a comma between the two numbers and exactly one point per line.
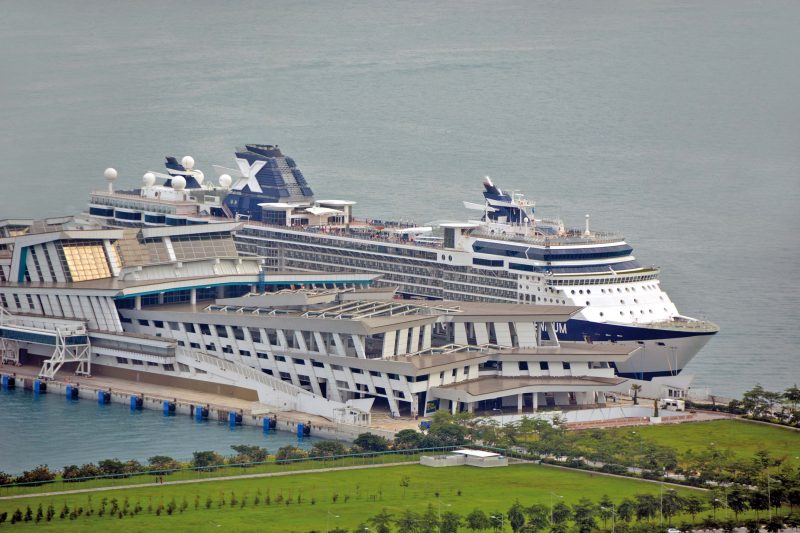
x=674, y=122
x=59, y=432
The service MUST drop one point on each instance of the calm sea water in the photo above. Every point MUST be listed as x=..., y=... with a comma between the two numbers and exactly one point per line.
x=675, y=122
x=59, y=432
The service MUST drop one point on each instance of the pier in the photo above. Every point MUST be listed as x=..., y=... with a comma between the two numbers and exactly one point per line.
x=186, y=400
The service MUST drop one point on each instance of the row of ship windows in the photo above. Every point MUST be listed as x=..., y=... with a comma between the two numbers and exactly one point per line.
x=599, y=281
x=355, y=262
x=619, y=289
x=329, y=243
x=641, y=312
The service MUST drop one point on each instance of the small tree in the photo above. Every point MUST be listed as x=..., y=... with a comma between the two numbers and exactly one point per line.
x=370, y=442
x=605, y=509
x=450, y=522
x=249, y=454
x=290, y=452
x=516, y=516
x=792, y=395
x=328, y=448
x=407, y=439
x=37, y=476
x=694, y=506
x=626, y=510
x=408, y=522
x=477, y=521
x=405, y=481
x=429, y=521
x=382, y=522
x=538, y=516
x=162, y=464
x=561, y=513
x=206, y=459
x=583, y=514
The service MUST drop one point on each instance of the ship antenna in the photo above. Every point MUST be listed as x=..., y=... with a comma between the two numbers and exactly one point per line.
x=587, y=233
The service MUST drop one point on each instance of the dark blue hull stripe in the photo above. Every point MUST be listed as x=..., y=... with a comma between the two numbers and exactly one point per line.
x=646, y=376
x=580, y=330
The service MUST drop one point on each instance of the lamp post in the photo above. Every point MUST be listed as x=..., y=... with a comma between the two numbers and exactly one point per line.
x=641, y=450
x=500, y=519
x=613, y=518
x=500, y=409
x=328, y=520
x=439, y=526
x=551, y=505
x=769, y=497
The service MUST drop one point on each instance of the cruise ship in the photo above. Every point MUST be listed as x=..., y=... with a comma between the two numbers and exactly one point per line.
x=178, y=305
x=502, y=254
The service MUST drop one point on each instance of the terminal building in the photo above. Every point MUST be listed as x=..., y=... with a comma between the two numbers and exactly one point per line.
x=180, y=305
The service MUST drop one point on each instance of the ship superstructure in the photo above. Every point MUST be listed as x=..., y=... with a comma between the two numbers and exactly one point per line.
x=178, y=304
x=504, y=255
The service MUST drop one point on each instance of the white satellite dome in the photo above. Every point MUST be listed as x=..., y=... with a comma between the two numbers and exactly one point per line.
x=178, y=183
x=225, y=180
x=110, y=174
x=187, y=162
x=149, y=179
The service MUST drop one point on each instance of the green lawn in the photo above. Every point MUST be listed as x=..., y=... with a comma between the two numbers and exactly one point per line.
x=181, y=475
x=742, y=438
x=367, y=492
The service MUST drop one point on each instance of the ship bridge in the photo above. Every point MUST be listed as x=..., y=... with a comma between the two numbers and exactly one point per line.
x=69, y=339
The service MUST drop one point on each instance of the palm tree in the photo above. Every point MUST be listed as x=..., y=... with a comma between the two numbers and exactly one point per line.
x=636, y=388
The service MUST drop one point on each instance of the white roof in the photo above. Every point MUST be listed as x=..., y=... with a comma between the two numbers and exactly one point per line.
x=323, y=211
x=278, y=205
x=463, y=225
x=477, y=453
x=419, y=229
x=339, y=203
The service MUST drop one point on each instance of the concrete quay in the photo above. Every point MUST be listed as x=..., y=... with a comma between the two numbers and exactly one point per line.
x=186, y=400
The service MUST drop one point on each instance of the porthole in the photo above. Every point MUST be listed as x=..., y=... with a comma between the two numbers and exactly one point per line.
x=601, y=313
x=450, y=257
x=588, y=291
x=635, y=301
x=622, y=302
x=573, y=291
x=587, y=302
x=580, y=291
x=620, y=313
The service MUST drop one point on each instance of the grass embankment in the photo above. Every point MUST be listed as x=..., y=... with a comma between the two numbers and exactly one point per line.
x=742, y=438
x=361, y=494
x=270, y=466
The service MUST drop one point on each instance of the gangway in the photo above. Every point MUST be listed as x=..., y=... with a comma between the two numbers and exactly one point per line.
x=69, y=339
x=275, y=392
